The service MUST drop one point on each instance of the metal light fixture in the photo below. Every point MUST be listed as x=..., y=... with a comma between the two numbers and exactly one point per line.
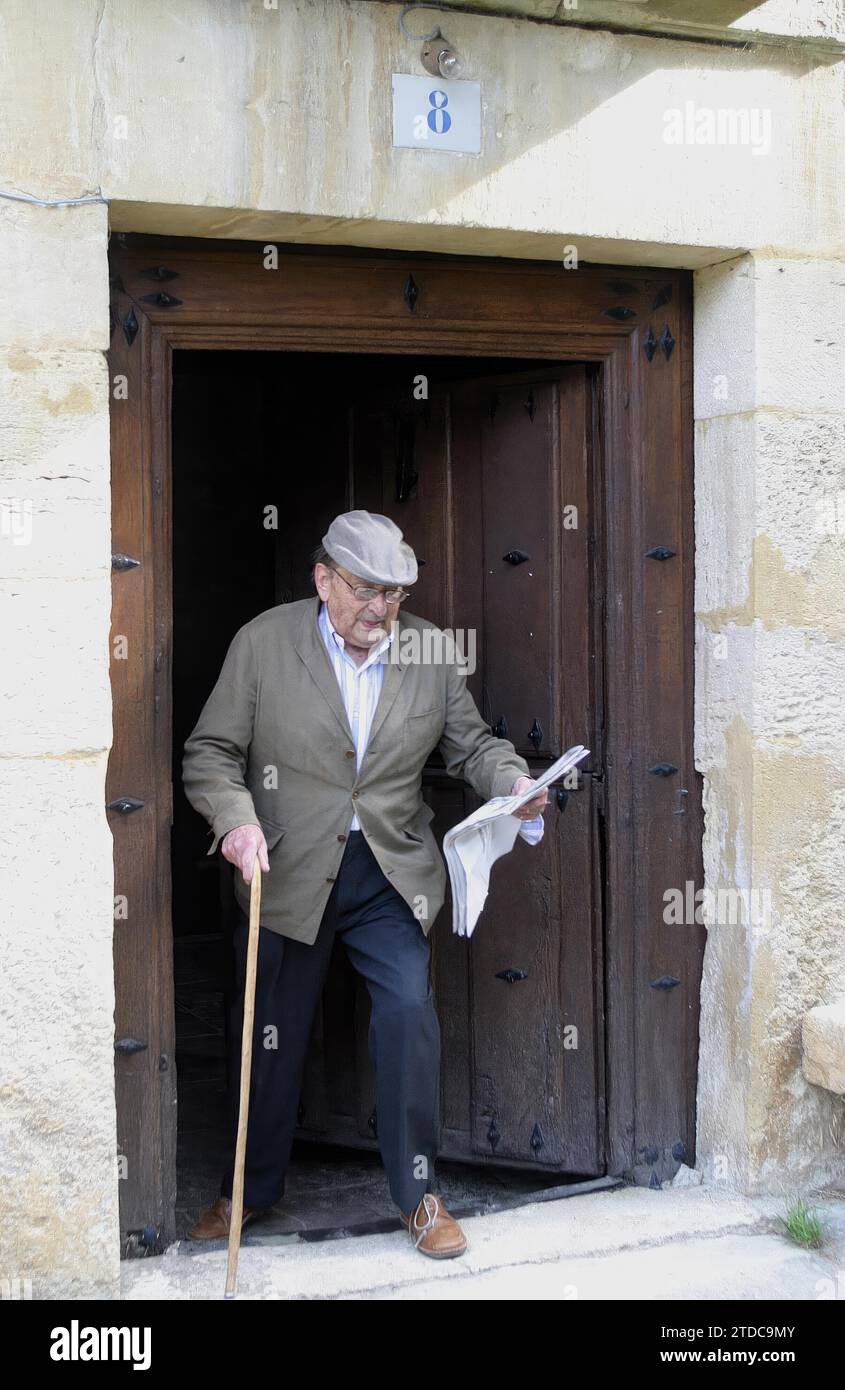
x=437, y=56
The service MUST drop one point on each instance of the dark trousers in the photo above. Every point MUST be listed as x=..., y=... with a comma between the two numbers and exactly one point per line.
x=386, y=944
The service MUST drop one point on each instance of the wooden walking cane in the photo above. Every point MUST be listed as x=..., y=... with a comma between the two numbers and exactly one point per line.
x=246, y=1068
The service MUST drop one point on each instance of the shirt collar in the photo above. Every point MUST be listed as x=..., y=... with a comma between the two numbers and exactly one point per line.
x=340, y=641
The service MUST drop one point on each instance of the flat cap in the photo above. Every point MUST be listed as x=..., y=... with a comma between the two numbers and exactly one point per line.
x=371, y=546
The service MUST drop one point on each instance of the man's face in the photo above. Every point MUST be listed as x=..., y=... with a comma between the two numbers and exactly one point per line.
x=360, y=624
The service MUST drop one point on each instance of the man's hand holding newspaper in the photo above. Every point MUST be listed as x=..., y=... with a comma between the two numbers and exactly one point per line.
x=472, y=847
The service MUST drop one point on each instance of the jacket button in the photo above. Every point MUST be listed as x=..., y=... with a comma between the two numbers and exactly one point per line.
x=341, y=838
x=350, y=753
x=354, y=796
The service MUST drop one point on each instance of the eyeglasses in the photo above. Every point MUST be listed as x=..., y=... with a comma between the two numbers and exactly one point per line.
x=364, y=595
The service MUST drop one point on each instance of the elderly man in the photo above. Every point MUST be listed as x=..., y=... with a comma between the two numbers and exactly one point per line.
x=308, y=756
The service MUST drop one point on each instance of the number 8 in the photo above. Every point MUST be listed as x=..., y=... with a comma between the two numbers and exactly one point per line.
x=439, y=119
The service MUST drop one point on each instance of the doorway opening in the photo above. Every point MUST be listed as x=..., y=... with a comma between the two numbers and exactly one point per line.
x=267, y=448
x=575, y=396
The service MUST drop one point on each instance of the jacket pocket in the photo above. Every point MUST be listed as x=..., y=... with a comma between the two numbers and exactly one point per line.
x=273, y=832
x=422, y=729
x=413, y=829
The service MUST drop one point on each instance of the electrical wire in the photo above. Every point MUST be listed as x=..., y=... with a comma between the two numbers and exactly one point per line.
x=426, y=38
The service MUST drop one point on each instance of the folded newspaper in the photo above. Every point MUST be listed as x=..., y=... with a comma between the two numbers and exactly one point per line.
x=473, y=845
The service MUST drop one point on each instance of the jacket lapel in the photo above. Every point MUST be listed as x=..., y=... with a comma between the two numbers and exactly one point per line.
x=311, y=648
x=393, y=673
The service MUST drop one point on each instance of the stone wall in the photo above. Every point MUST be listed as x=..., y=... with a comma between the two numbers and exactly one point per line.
x=58, y=1195
x=770, y=599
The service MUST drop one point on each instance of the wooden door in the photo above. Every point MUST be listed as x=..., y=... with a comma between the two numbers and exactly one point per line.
x=621, y=582
x=525, y=1000
x=491, y=478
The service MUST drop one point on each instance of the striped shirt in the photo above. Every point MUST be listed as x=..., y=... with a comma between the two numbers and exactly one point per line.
x=360, y=688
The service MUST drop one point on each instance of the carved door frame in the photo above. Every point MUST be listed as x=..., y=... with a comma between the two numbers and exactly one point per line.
x=636, y=324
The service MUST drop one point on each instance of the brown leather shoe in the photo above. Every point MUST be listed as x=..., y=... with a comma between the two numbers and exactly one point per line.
x=433, y=1231
x=215, y=1222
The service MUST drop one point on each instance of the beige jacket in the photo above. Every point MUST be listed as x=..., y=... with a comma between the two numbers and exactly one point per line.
x=273, y=747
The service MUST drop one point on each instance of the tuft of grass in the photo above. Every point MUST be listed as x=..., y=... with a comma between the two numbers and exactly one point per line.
x=803, y=1225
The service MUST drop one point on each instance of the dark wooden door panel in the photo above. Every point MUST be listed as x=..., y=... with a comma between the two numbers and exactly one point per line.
x=519, y=447
x=138, y=772
x=667, y=807
x=520, y=482
x=473, y=473
x=399, y=452
x=535, y=1000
